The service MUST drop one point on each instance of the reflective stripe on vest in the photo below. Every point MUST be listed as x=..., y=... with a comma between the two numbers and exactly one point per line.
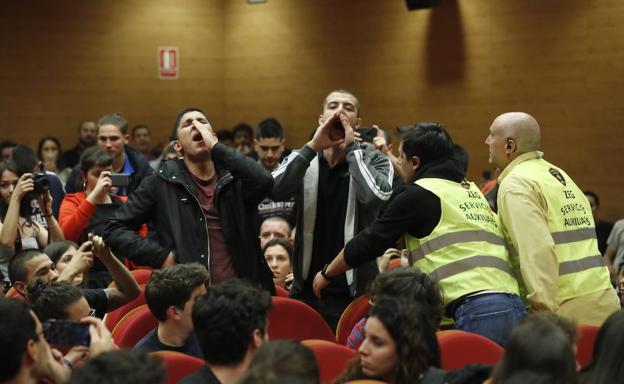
x=581, y=268
x=454, y=238
x=466, y=251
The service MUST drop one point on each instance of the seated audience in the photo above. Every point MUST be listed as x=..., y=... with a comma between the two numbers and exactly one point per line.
x=283, y=360
x=408, y=284
x=274, y=227
x=243, y=138
x=168, y=153
x=63, y=301
x=142, y=141
x=86, y=212
x=62, y=252
x=278, y=255
x=231, y=324
x=49, y=153
x=30, y=265
x=25, y=158
x=18, y=230
x=6, y=149
x=614, y=255
x=400, y=345
x=607, y=366
x=87, y=137
x=538, y=345
x=122, y=366
x=603, y=228
x=112, y=136
x=170, y=295
x=226, y=137
x=25, y=354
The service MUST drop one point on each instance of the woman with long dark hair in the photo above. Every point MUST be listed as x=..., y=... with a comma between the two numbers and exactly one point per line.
x=17, y=228
x=400, y=344
x=49, y=153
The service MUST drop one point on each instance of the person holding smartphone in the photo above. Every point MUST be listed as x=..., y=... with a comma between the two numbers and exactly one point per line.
x=87, y=211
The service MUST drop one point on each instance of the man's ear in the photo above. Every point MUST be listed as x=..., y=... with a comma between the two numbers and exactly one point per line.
x=510, y=146
x=257, y=338
x=173, y=312
x=415, y=163
x=20, y=287
x=176, y=146
x=126, y=139
x=31, y=350
x=321, y=119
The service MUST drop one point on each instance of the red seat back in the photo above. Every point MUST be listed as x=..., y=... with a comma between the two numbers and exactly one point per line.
x=178, y=365
x=332, y=358
x=12, y=293
x=295, y=320
x=355, y=312
x=134, y=326
x=458, y=349
x=112, y=318
x=585, y=344
x=281, y=292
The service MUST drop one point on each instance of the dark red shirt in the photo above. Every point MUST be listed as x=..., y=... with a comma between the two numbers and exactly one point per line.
x=220, y=264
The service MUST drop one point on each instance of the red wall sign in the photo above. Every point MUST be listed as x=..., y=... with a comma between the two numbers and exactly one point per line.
x=168, y=63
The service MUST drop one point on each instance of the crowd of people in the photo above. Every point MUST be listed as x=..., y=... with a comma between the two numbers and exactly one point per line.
x=227, y=218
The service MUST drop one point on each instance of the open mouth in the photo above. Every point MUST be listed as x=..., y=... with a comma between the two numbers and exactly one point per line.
x=196, y=136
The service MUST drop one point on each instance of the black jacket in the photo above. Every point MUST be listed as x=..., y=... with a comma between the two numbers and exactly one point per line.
x=141, y=167
x=168, y=198
x=415, y=210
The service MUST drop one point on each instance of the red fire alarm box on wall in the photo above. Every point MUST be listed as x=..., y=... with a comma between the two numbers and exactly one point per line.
x=168, y=63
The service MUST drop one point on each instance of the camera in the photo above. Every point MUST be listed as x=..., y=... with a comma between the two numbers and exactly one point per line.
x=367, y=134
x=41, y=182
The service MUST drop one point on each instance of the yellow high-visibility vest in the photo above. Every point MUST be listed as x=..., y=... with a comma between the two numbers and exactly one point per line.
x=466, y=251
x=581, y=267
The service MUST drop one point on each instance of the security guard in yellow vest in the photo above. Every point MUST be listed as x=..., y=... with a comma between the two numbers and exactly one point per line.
x=548, y=224
x=451, y=234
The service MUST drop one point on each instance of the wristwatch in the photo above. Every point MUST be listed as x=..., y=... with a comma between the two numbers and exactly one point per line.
x=324, y=273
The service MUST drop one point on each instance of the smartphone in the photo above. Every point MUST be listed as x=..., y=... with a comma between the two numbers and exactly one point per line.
x=66, y=332
x=367, y=134
x=120, y=179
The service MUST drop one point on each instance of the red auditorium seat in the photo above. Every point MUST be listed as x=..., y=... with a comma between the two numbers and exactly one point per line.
x=458, y=349
x=281, y=292
x=585, y=344
x=178, y=365
x=112, y=318
x=332, y=358
x=356, y=311
x=134, y=326
x=295, y=320
x=12, y=293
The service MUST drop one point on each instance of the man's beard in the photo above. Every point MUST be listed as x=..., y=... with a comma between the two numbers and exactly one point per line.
x=86, y=143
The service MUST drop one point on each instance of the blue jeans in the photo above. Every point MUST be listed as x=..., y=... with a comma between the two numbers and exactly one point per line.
x=492, y=315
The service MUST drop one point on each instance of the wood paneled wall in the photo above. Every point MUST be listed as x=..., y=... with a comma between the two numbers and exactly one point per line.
x=462, y=63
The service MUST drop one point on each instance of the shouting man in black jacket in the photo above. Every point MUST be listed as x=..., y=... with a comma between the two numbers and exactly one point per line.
x=203, y=207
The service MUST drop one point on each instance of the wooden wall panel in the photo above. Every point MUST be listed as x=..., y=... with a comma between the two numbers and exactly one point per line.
x=67, y=61
x=462, y=63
